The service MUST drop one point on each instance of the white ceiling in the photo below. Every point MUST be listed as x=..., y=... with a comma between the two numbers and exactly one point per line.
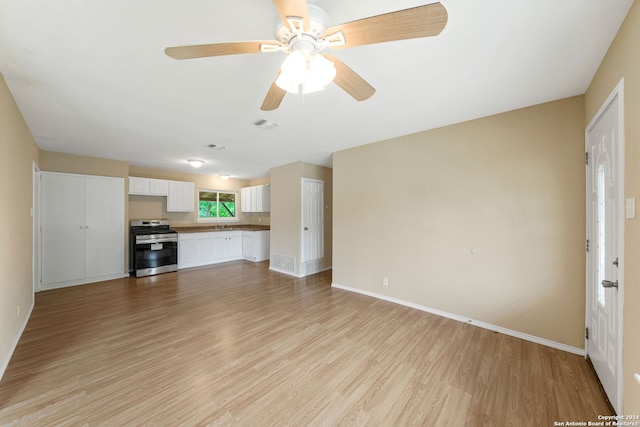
x=91, y=77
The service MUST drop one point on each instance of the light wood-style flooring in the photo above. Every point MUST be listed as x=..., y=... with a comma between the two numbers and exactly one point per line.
x=236, y=344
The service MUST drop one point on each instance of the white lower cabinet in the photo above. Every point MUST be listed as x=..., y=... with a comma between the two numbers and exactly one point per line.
x=204, y=248
x=226, y=246
x=248, y=250
x=255, y=245
x=218, y=247
x=194, y=249
x=187, y=250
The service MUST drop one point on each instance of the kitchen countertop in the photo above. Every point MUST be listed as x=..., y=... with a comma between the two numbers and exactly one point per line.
x=228, y=227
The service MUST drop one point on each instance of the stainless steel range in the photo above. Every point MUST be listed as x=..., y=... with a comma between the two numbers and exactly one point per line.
x=153, y=247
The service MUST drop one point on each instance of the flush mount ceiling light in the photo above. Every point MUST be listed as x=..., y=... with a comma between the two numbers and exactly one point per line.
x=224, y=176
x=195, y=162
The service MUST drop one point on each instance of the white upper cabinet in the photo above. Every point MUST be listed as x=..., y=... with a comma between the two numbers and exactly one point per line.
x=256, y=198
x=158, y=187
x=245, y=202
x=181, y=196
x=138, y=186
x=148, y=186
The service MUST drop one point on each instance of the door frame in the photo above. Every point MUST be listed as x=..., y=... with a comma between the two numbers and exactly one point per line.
x=35, y=218
x=618, y=92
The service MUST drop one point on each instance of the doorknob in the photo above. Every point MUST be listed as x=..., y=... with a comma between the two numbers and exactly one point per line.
x=306, y=228
x=609, y=284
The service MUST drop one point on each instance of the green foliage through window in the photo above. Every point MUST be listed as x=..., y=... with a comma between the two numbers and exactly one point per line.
x=216, y=204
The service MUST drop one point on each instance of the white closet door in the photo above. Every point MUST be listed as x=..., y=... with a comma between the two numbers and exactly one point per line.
x=63, y=233
x=104, y=226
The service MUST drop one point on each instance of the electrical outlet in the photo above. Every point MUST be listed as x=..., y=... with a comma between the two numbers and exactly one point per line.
x=630, y=208
x=385, y=281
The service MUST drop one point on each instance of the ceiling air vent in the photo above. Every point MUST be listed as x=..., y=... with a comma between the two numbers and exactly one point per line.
x=265, y=124
x=217, y=147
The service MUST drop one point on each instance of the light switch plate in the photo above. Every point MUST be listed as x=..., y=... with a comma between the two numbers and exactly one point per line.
x=630, y=208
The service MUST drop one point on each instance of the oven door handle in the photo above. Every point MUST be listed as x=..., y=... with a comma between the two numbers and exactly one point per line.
x=165, y=240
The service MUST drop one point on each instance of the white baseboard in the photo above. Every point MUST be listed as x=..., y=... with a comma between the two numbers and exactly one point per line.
x=299, y=276
x=85, y=281
x=500, y=329
x=278, y=270
x=16, y=339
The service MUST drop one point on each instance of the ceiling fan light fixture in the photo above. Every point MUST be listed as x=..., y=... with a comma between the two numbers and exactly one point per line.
x=195, y=162
x=305, y=72
x=321, y=73
x=293, y=71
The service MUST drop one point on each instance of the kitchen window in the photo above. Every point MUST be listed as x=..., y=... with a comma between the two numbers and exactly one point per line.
x=214, y=206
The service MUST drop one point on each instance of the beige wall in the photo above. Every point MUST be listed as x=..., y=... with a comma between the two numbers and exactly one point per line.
x=286, y=205
x=71, y=163
x=483, y=219
x=18, y=152
x=623, y=60
x=145, y=207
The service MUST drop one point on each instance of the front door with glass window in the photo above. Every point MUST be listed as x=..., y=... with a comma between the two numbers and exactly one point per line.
x=604, y=256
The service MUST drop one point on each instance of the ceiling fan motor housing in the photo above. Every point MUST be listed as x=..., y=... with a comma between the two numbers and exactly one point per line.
x=307, y=38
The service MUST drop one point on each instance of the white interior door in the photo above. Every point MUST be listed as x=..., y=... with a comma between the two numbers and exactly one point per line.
x=312, y=219
x=605, y=256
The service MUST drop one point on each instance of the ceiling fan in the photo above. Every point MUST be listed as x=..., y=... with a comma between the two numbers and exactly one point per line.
x=303, y=34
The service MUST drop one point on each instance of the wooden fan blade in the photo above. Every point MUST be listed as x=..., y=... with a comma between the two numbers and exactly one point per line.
x=421, y=21
x=273, y=98
x=217, y=49
x=293, y=8
x=350, y=81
